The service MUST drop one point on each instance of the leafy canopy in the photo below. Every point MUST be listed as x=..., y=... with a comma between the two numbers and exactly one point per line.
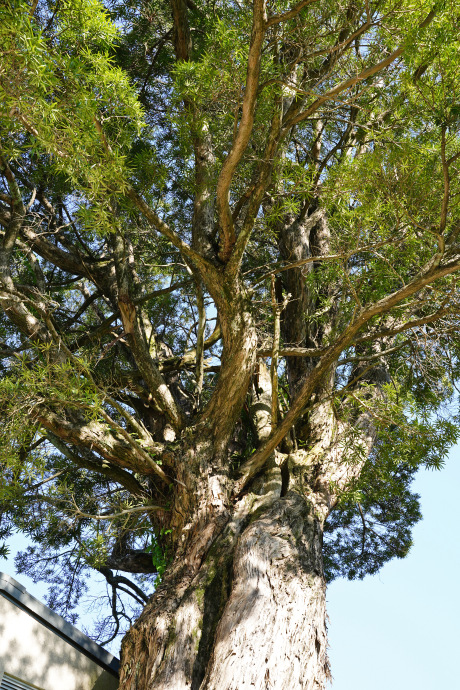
x=118, y=124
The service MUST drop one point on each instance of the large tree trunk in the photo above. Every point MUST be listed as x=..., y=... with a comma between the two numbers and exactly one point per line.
x=272, y=633
x=243, y=603
x=252, y=615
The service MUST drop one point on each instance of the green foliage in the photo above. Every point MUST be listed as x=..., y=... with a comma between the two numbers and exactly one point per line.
x=373, y=524
x=96, y=108
x=160, y=556
x=375, y=514
x=4, y=551
x=71, y=97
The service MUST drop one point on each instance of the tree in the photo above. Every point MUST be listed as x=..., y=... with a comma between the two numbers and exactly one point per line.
x=228, y=281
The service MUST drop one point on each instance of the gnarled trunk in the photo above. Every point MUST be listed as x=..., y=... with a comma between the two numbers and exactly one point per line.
x=272, y=632
x=251, y=616
x=243, y=603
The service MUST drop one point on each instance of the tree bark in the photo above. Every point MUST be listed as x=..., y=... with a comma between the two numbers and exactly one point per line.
x=242, y=606
x=252, y=614
x=272, y=633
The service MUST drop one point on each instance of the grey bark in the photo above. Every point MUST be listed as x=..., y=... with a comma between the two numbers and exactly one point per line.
x=272, y=633
x=252, y=617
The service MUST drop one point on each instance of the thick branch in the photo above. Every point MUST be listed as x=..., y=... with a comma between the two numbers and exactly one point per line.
x=428, y=275
x=132, y=561
x=244, y=131
x=14, y=225
x=116, y=580
x=112, y=472
x=96, y=437
x=274, y=140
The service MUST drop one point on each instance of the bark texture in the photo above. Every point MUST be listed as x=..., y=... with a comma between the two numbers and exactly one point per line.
x=272, y=633
x=253, y=616
x=243, y=604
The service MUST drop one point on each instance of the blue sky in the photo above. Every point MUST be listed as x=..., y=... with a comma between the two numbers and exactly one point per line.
x=399, y=629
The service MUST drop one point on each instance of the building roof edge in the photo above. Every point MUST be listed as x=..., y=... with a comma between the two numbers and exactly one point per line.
x=17, y=593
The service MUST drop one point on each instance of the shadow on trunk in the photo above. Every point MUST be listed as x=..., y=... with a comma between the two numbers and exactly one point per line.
x=261, y=587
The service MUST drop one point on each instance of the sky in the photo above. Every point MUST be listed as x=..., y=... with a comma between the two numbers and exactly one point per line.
x=399, y=629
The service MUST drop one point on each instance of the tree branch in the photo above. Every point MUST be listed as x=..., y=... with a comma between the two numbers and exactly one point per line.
x=427, y=275
x=276, y=19
x=116, y=580
x=241, y=140
x=136, y=337
x=348, y=83
x=166, y=231
x=127, y=480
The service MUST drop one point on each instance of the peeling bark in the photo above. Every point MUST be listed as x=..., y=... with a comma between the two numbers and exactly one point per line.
x=253, y=615
x=272, y=633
